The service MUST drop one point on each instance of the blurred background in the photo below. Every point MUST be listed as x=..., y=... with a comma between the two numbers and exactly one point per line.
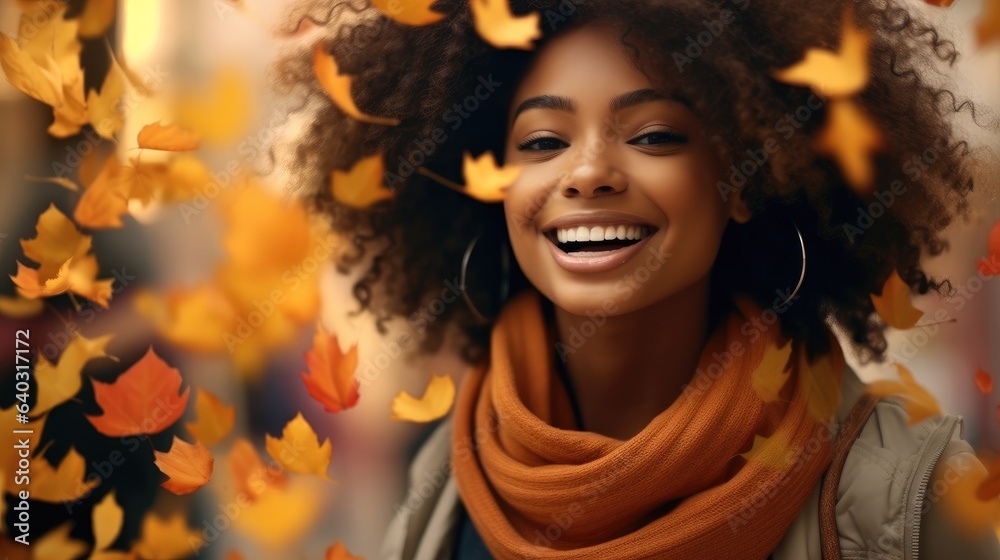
x=177, y=260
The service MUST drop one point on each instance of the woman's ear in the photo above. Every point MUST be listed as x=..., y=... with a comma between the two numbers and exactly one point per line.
x=738, y=208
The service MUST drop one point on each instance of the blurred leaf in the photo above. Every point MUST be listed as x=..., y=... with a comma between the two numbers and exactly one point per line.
x=434, y=404
x=362, y=185
x=38, y=79
x=188, y=466
x=107, y=521
x=77, y=275
x=894, y=305
x=56, y=240
x=331, y=378
x=484, y=180
x=984, y=382
x=167, y=539
x=215, y=420
x=105, y=200
x=820, y=386
x=223, y=116
x=773, y=371
x=972, y=511
x=250, y=474
x=988, y=24
x=410, y=12
x=58, y=383
x=281, y=517
x=58, y=545
x=143, y=400
x=339, y=552
x=338, y=87
x=841, y=73
x=63, y=484
x=18, y=307
x=299, y=449
x=97, y=17
x=171, y=138
x=849, y=137
x=498, y=26
x=102, y=107
x=920, y=404
x=772, y=451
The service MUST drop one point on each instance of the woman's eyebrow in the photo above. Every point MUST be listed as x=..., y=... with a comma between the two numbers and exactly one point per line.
x=618, y=103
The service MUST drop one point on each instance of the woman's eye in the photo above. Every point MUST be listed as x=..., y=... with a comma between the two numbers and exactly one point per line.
x=544, y=143
x=658, y=137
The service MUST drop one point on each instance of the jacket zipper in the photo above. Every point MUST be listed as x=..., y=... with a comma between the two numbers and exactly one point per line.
x=937, y=441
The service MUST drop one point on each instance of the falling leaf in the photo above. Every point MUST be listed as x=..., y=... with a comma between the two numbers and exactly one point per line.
x=841, y=73
x=772, y=451
x=215, y=420
x=70, y=117
x=102, y=107
x=819, y=385
x=410, y=12
x=63, y=484
x=988, y=24
x=57, y=544
x=919, y=403
x=849, y=137
x=363, y=185
x=143, y=400
x=299, y=449
x=436, y=402
x=20, y=307
x=338, y=87
x=96, y=18
x=339, y=552
x=250, y=474
x=107, y=521
x=167, y=539
x=498, y=26
x=41, y=81
x=77, y=275
x=223, y=115
x=772, y=372
x=282, y=516
x=60, y=382
x=105, y=200
x=56, y=240
x=484, y=180
x=188, y=466
x=894, y=305
x=984, y=381
x=171, y=138
x=331, y=378
x=972, y=510
x=61, y=181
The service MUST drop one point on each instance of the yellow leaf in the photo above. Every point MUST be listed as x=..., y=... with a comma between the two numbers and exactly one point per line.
x=435, y=403
x=894, y=305
x=410, y=12
x=167, y=539
x=250, y=474
x=192, y=318
x=102, y=107
x=188, y=466
x=106, y=199
x=849, y=137
x=44, y=32
x=338, y=87
x=772, y=372
x=72, y=115
x=339, y=552
x=58, y=545
x=96, y=18
x=988, y=24
x=498, y=26
x=56, y=241
x=38, y=79
x=772, y=451
x=299, y=449
x=215, y=420
x=63, y=484
x=75, y=275
x=919, y=403
x=819, y=385
x=223, y=116
x=841, y=73
x=107, y=521
x=58, y=383
x=20, y=308
x=484, y=180
x=281, y=516
x=172, y=138
x=362, y=185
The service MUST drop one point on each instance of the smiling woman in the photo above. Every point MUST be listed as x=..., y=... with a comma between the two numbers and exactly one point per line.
x=658, y=377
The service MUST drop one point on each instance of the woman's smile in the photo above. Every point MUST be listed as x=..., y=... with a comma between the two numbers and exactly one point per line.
x=598, y=241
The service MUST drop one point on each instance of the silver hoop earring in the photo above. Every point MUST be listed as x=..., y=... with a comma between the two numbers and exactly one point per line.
x=802, y=275
x=504, y=277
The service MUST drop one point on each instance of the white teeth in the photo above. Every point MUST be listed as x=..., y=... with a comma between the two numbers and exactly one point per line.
x=601, y=233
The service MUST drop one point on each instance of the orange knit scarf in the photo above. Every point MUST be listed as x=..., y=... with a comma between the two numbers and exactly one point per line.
x=678, y=489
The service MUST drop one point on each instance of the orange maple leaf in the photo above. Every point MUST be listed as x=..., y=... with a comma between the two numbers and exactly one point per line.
x=919, y=403
x=338, y=87
x=984, y=382
x=894, y=305
x=143, y=400
x=849, y=137
x=497, y=25
x=188, y=466
x=251, y=475
x=331, y=380
x=413, y=12
x=215, y=420
x=841, y=73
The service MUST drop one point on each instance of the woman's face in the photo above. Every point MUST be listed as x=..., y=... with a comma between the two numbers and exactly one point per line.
x=616, y=207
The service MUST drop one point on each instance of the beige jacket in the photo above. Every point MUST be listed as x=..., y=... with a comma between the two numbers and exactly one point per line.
x=887, y=508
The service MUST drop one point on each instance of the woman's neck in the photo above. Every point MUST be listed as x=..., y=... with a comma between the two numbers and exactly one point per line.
x=625, y=370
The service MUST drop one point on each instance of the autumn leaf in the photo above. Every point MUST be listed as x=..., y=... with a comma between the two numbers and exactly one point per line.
x=167, y=539
x=299, y=449
x=56, y=240
x=894, y=305
x=171, y=138
x=988, y=24
x=362, y=185
x=920, y=404
x=102, y=106
x=772, y=451
x=484, y=180
x=143, y=400
x=498, y=26
x=58, y=383
x=250, y=474
x=772, y=372
x=107, y=521
x=331, y=378
x=77, y=275
x=339, y=552
x=18, y=307
x=215, y=420
x=984, y=382
x=990, y=266
x=221, y=115
x=435, y=403
x=57, y=544
x=968, y=498
x=188, y=466
x=96, y=18
x=338, y=87
x=281, y=516
x=819, y=385
x=849, y=137
x=833, y=73
x=105, y=200
x=65, y=483
x=40, y=80
x=410, y=12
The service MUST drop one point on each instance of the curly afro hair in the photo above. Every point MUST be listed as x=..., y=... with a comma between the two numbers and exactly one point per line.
x=718, y=55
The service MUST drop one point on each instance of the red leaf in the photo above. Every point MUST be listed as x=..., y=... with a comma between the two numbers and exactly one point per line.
x=332, y=379
x=984, y=381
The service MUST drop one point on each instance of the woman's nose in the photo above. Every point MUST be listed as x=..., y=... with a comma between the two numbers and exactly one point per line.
x=592, y=175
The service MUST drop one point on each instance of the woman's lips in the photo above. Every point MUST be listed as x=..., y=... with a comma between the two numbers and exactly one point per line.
x=594, y=261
